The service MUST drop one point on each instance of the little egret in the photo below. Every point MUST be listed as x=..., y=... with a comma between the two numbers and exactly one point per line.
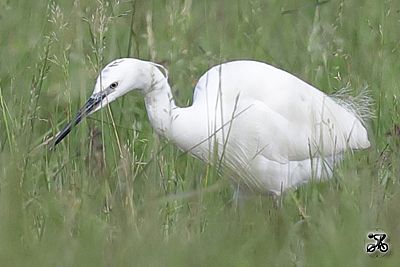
x=269, y=129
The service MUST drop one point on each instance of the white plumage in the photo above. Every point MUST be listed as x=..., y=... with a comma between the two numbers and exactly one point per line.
x=270, y=130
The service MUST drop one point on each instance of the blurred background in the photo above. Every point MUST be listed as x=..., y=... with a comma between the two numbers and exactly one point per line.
x=115, y=194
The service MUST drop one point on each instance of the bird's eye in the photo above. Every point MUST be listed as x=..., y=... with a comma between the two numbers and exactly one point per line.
x=114, y=85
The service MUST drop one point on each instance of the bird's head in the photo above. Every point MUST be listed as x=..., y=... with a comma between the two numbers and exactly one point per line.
x=116, y=79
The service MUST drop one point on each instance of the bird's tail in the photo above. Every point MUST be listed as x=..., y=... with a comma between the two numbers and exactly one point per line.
x=360, y=105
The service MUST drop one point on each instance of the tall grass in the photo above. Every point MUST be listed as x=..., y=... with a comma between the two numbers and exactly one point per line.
x=113, y=193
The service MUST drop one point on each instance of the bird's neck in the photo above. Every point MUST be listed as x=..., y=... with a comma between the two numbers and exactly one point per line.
x=160, y=105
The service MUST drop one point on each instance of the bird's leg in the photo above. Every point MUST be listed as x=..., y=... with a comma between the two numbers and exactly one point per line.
x=240, y=196
x=276, y=200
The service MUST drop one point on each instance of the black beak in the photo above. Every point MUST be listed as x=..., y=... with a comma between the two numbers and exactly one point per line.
x=87, y=109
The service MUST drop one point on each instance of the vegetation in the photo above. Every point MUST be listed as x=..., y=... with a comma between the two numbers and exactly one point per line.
x=115, y=194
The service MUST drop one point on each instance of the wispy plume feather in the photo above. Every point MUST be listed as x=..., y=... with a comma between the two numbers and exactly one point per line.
x=360, y=105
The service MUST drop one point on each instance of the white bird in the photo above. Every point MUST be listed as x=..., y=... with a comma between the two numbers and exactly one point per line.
x=270, y=130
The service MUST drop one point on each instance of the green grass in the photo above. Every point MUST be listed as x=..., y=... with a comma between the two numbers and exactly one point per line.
x=115, y=194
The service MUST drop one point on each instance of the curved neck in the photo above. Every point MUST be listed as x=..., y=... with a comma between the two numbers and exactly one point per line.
x=159, y=102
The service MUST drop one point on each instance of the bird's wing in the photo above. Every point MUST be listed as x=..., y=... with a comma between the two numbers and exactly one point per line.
x=281, y=138
x=284, y=118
